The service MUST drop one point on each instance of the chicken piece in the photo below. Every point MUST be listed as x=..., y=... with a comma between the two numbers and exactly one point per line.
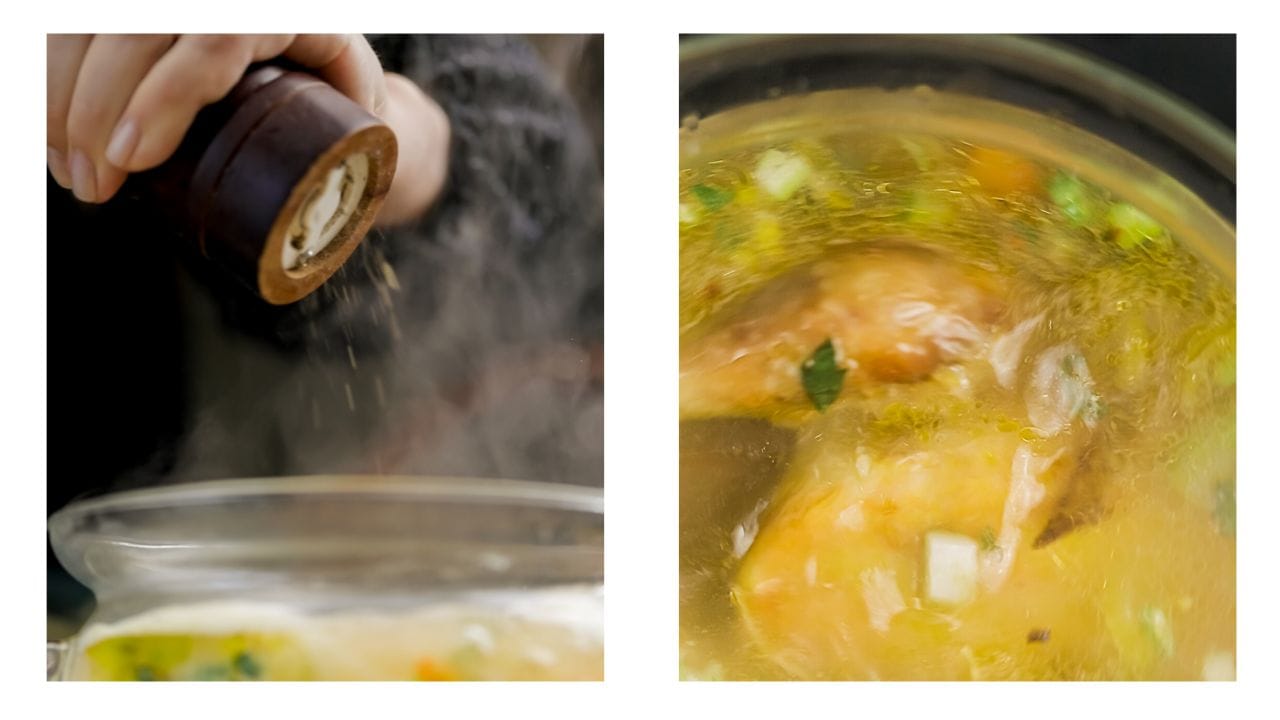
x=836, y=583
x=893, y=313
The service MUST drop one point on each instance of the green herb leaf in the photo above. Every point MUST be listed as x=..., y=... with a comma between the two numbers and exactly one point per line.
x=712, y=198
x=247, y=666
x=988, y=540
x=822, y=378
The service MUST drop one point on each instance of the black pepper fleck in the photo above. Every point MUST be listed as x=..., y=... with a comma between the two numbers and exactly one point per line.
x=1038, y=635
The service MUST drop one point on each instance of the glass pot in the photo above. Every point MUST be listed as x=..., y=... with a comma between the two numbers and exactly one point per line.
x=722, y=72
x=376, y=578
x=1029, y=96
x=1043, y=97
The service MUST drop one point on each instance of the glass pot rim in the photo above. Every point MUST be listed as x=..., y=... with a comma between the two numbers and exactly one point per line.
x=328, y=536
x=385, y=486
x=718, y=72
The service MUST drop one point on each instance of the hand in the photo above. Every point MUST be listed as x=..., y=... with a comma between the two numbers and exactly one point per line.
x=119, y=104
x=422, y=132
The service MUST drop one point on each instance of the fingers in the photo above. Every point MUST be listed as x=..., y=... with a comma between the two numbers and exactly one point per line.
x=111, y=69
x=64, y=53
x=196, y=71
x=348, y=63
x=122, y=103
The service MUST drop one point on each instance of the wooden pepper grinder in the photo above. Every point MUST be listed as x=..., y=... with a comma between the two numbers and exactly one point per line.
x=278, y=182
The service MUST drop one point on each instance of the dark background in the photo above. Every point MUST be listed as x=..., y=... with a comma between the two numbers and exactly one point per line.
x=1198, y=68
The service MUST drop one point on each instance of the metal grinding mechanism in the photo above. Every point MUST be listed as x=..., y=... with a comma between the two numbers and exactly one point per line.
x=279, y=181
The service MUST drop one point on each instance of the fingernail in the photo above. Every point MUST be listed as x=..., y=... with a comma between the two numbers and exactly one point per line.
x=123, y=142
x=58, y=168
x=83, y=181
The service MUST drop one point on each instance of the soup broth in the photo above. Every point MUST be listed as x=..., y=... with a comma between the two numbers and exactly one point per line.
x=534, y=635
x=957, y=400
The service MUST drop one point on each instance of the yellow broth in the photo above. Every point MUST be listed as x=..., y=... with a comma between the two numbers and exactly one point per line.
x=551, y=634
x=957, y=401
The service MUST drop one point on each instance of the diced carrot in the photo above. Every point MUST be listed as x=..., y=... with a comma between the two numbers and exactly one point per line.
x=428, y=669
x=1002, y=173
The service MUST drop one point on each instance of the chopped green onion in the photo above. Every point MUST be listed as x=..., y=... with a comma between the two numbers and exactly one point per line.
x=781, y=174
x=711, y=197
x=1073, y=198
x=247, y=666
x=822, y=377
x=1131, y=227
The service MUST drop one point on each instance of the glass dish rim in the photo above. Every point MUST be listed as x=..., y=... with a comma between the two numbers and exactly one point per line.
x=702, y=57
x=65, y=522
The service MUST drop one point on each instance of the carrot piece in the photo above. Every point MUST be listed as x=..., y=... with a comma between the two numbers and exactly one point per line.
x=428, y=669
x=1001, y=173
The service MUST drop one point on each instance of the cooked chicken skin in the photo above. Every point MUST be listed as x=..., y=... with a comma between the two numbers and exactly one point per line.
x=892, y=313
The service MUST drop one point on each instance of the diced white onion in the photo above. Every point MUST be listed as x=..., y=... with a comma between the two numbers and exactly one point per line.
x=951, y=567
x=780, y=174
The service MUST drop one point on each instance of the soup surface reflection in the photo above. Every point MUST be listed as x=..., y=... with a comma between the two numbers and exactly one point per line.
x=949, y=410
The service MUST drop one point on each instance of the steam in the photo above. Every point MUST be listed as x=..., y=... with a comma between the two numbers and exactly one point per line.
x=468, y=344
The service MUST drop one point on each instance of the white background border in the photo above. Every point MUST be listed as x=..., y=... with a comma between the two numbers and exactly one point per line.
x=641, y=369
